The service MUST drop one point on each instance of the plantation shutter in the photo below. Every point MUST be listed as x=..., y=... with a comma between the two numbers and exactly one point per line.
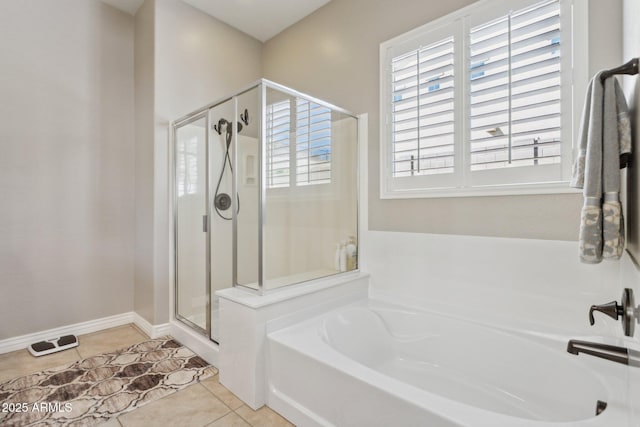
x=422, y=110
x=278, y=144
x=187, y=166
x=514, y=89
x=310, y=155
x=313, y=143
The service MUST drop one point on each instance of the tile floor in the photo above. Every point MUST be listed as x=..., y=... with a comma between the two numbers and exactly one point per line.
x=207, y=403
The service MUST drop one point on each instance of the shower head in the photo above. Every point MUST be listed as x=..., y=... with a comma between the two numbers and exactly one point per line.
x=224, y=122
x=218, y=127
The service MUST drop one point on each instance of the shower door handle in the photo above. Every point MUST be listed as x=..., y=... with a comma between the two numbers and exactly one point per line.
x=205, y=223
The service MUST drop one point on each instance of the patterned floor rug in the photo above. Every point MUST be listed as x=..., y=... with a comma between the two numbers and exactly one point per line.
x=91, y=391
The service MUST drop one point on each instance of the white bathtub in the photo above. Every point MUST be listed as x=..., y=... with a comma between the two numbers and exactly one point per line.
x=377, y=364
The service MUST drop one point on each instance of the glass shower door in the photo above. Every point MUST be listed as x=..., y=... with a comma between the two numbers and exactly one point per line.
x=192, y=223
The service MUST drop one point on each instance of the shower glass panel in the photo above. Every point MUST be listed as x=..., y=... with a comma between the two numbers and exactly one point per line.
x=192, y=296
x=221, y=136
x=301, y=218
x=310, y=217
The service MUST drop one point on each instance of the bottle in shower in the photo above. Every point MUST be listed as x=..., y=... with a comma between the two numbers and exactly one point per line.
x=343, y=256
x=352, y=254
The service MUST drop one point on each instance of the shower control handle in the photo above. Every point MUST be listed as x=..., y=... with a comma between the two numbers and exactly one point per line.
x=626, y=311
x=611, y=309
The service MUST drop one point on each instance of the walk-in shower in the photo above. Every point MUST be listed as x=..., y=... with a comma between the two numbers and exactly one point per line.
x=265, y=196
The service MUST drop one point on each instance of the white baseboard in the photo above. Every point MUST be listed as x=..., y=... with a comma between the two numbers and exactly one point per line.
x=154, y=331
x=23, y=341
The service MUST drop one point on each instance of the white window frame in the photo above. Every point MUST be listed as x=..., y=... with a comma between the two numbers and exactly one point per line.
x=463, y=182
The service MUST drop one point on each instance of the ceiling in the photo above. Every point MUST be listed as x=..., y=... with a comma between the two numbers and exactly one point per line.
x=129, y=6
x=260, y=19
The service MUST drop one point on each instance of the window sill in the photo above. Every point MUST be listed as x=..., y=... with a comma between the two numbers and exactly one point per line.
x=481, y=191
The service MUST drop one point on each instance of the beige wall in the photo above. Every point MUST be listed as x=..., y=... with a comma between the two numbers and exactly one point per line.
x=333, y=54
x=66, y=164
x=199, y=59
x=144, y=164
